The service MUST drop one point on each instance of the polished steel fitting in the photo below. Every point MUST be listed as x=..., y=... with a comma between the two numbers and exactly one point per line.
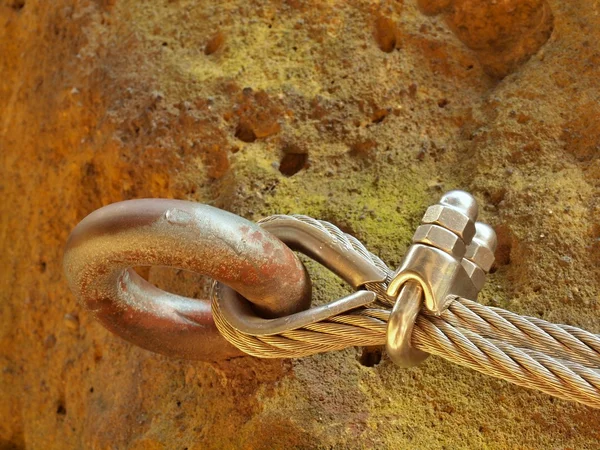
x=450, y=257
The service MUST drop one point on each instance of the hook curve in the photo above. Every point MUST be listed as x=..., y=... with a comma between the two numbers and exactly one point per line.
x=104, y=246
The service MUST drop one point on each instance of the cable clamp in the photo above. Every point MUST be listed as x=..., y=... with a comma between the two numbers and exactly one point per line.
x=449, y=258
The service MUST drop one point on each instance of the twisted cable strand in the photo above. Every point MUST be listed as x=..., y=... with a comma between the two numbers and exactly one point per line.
x=560, y=360
x=529, y=332
x=529, y=369
x=590, y=339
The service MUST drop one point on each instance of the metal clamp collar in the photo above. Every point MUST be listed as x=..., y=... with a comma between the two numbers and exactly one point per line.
x=450, y=257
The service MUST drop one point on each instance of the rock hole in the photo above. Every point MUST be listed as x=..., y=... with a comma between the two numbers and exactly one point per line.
x=385, y=34
x=244, y=132
x=97, y=354
x=370, y=356
x=443, y=103
x=379, y=115
x=42, y=266
x=92, y=390
x=164, y=44
x=214, y=43
x=503, y=252
x=17, y=5
x=412, y=90
x=61, y=410
x=292, y=163
x=495, y=197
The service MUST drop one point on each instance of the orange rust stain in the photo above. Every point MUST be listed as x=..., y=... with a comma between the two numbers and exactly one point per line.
x=502, y=34
x=255, y=236
x=268, y=248
x=257, y=114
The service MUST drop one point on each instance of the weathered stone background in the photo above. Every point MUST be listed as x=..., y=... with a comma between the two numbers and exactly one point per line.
x=360, y=113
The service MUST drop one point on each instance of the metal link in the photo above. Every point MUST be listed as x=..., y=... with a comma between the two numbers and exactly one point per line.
x=105, y=245
x=322, y=246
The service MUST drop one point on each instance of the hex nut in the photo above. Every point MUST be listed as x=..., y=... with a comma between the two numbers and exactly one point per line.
x=482, y=247
x=478, y=253
x=486, y=234
x=451, y=219
x=475, y=273
x=441, y=238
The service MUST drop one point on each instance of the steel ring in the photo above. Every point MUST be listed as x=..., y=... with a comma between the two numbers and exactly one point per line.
x=103, y=248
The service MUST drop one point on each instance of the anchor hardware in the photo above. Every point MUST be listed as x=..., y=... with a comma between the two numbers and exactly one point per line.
x=342, y=260
x=449, y=258
x=261, y=293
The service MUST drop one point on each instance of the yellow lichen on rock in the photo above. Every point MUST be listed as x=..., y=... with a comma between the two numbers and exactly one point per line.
x=359, y=113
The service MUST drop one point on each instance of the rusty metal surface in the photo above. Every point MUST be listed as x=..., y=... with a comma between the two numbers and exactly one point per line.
x=105, y=245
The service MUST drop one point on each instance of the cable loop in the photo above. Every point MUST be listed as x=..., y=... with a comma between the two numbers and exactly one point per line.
x=560, y=360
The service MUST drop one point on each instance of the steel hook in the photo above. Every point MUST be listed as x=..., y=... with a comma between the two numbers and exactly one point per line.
x=104, y=246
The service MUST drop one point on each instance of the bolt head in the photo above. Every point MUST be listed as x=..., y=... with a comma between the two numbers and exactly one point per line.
x=481, y=255
x=486, y=235
x=462, y=201
x=482, y=247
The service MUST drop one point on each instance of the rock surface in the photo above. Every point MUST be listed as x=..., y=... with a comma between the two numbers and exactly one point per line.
x=360, y=113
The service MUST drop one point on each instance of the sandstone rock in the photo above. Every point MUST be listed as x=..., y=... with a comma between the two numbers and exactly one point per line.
x=353, y=112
